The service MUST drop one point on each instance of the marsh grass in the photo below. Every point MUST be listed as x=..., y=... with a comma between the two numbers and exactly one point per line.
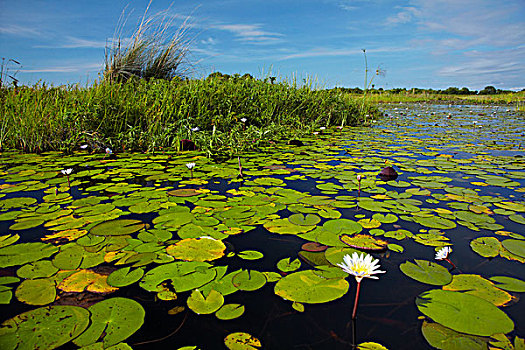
x=156, y=114
x=516, y=98
x=153, y=51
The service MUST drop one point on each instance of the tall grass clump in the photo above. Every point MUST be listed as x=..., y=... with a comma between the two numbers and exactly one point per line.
x=152, y=51
x=151, y=114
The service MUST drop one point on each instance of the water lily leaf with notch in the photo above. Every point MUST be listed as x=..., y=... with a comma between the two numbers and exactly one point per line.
x=334, y=255
x=250, y=255
x=39, y=291
x=23, y=253
x=205, y=305
x=43, y=328
x=182, y=275
x=342, y=226
x=520, y=219
x=184, y=192
x=304, y=220
x=487, y=247
x=425, y=271
x=6, y=240
x=285, y=265
x=515, y=246
x=125, y=276
x=86, y=280
x=222, y=282
x=314, y=259
x=230, y=311
x=241, y=341
x=445, y=338
x=112, y=321
x=385, y=219
x=284, y=226
x=370, y=346
x=435, y=222
x=249, y=280
x=17, y=202
x=117, y=227
x=455, y=309
x=197, y=249
x=70, y=257
x=511, y=206
x=307, y=287
x=369, y=223
x=365, y=242
x=509, y=283
x=37, y=269
x=480, y=287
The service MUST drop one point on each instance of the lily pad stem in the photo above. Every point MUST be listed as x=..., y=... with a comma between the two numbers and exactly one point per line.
x=451, y=263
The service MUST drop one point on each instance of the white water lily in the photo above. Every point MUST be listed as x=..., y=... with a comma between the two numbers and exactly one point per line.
x=443, y=253
x=66, y=171
x=108, y=150
x=195, y=129
x=243, y=120
x=360, y=266
x=190, y=165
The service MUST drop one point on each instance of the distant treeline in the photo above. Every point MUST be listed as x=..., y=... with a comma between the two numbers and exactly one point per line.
x=488, y=90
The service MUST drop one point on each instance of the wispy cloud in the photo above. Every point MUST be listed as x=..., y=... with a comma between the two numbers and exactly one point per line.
x=327, y=52
x=19, y=31
x=250, y=32
x=406, y=15
x=74, y=67
x=75, y=43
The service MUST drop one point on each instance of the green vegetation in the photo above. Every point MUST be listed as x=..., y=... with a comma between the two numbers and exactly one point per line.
x=154, y=114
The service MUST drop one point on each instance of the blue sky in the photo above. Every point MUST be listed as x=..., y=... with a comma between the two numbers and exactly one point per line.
x=417, y=43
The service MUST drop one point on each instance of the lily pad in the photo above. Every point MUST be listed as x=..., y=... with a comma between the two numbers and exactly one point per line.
x=197, y=249
x=307, y=287
x=304, y=220
x=445, y=338
x=112, y=321
x=230, y=311
x=23, y=253
x=286, y=266
x=43, y=328
x=205, y=305
x=427, y=272
x=39, y=291
x=124, y=276
x=365, y=242
x=515, y=246
x=509, y=283
x=241, y=341
x=480, y=287
x=455, y=309
x=487, y=247
x=249, y=280
x=117, y=227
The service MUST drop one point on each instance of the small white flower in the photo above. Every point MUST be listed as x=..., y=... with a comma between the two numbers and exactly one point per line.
x=358, y=177
x=443, y=253
x=84, y=146
x=243, y=120
x=316, y=132
x=195, y=129
x=66, y=171
x=360, y=266
x=322, y=128
x=108, y=150
x=190, y=165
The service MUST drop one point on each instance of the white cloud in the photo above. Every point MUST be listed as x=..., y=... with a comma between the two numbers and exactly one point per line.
x=406, y=15
x=75, y=67
x=327, y=52
x=249, y=32
x=75, y=43
x=19, y=31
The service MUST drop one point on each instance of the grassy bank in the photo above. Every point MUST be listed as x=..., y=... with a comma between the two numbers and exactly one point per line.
x=232, y=114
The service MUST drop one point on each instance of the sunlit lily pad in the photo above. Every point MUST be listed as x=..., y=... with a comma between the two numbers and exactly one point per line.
x=515, y=246
x=427, y=272
x=230, y=311
x=112, y=321
x=249, y=280
x=480, y=287
x=241, y=341
x=509, y=283
x=183, y=275
x=208, y=304
x=39, y=291
x=445, y=338
x=365, y=242
x=124, y=276
x=455, y=309
x=200, y=249
x=24, y=253
x=286, y=265
x=487, y=247
x=307, y=287
x=86, y=280
x=117, y=227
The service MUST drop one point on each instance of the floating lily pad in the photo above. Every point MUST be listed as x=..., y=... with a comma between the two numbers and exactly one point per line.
x=183, y=275
x=250, y=255
x=455, y=309
x=371, y=345
x=427, y=272
x=304, y=220
x=365, y=242
x=514, y=246
x=509, y=283
x=445, y=338
x=117, y=227
x=39, y=291
x=249, y=280
x=37, y=269
x=200, y=249
x=286, y=265
x=487, y=247
x=43, y=328
x=307, y=287
x=124, y=276
x=241, y=341
x=205, y=305
x=112, y=321
x=86, y=280
x=24, y=253
x=480, y=287
x=230, y=311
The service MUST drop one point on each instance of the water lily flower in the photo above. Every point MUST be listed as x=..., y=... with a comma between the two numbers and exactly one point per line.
x=322, y=128
x=108, y=150
x=195, y=129
x=66, y=171
x=360, y=266
x=190, y=166
x=316, y=132
x=443, y=254
x=243, y=120
x=359, y=184
x=84, y=146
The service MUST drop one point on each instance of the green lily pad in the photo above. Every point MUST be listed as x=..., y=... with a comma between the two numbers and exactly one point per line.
x=307, y=287
x=112, y=321
x=241, y=341
x=205, y=305
x=427, y=272
x=250, y=255
x=43, y=328
x=197, y=249
x=515, y=246
x=509, y=283
x=445, y=338
x=37, y=269
x=365, y=242
x=286, y=266
x=480, y=287
x=117, y=227
x=304, y=220
x=249, y=280
x=230, y=311
x=183, y=275
x=385, y=219
x=487, y=247
x=125, y=276
x=23, y=253
x=371, y=345
x=455, y=309
x=342, y=226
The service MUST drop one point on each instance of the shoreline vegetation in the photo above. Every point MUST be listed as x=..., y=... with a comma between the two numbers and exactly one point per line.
x=221, y=115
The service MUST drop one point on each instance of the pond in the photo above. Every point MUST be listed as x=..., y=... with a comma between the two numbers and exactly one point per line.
x=148, y=251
